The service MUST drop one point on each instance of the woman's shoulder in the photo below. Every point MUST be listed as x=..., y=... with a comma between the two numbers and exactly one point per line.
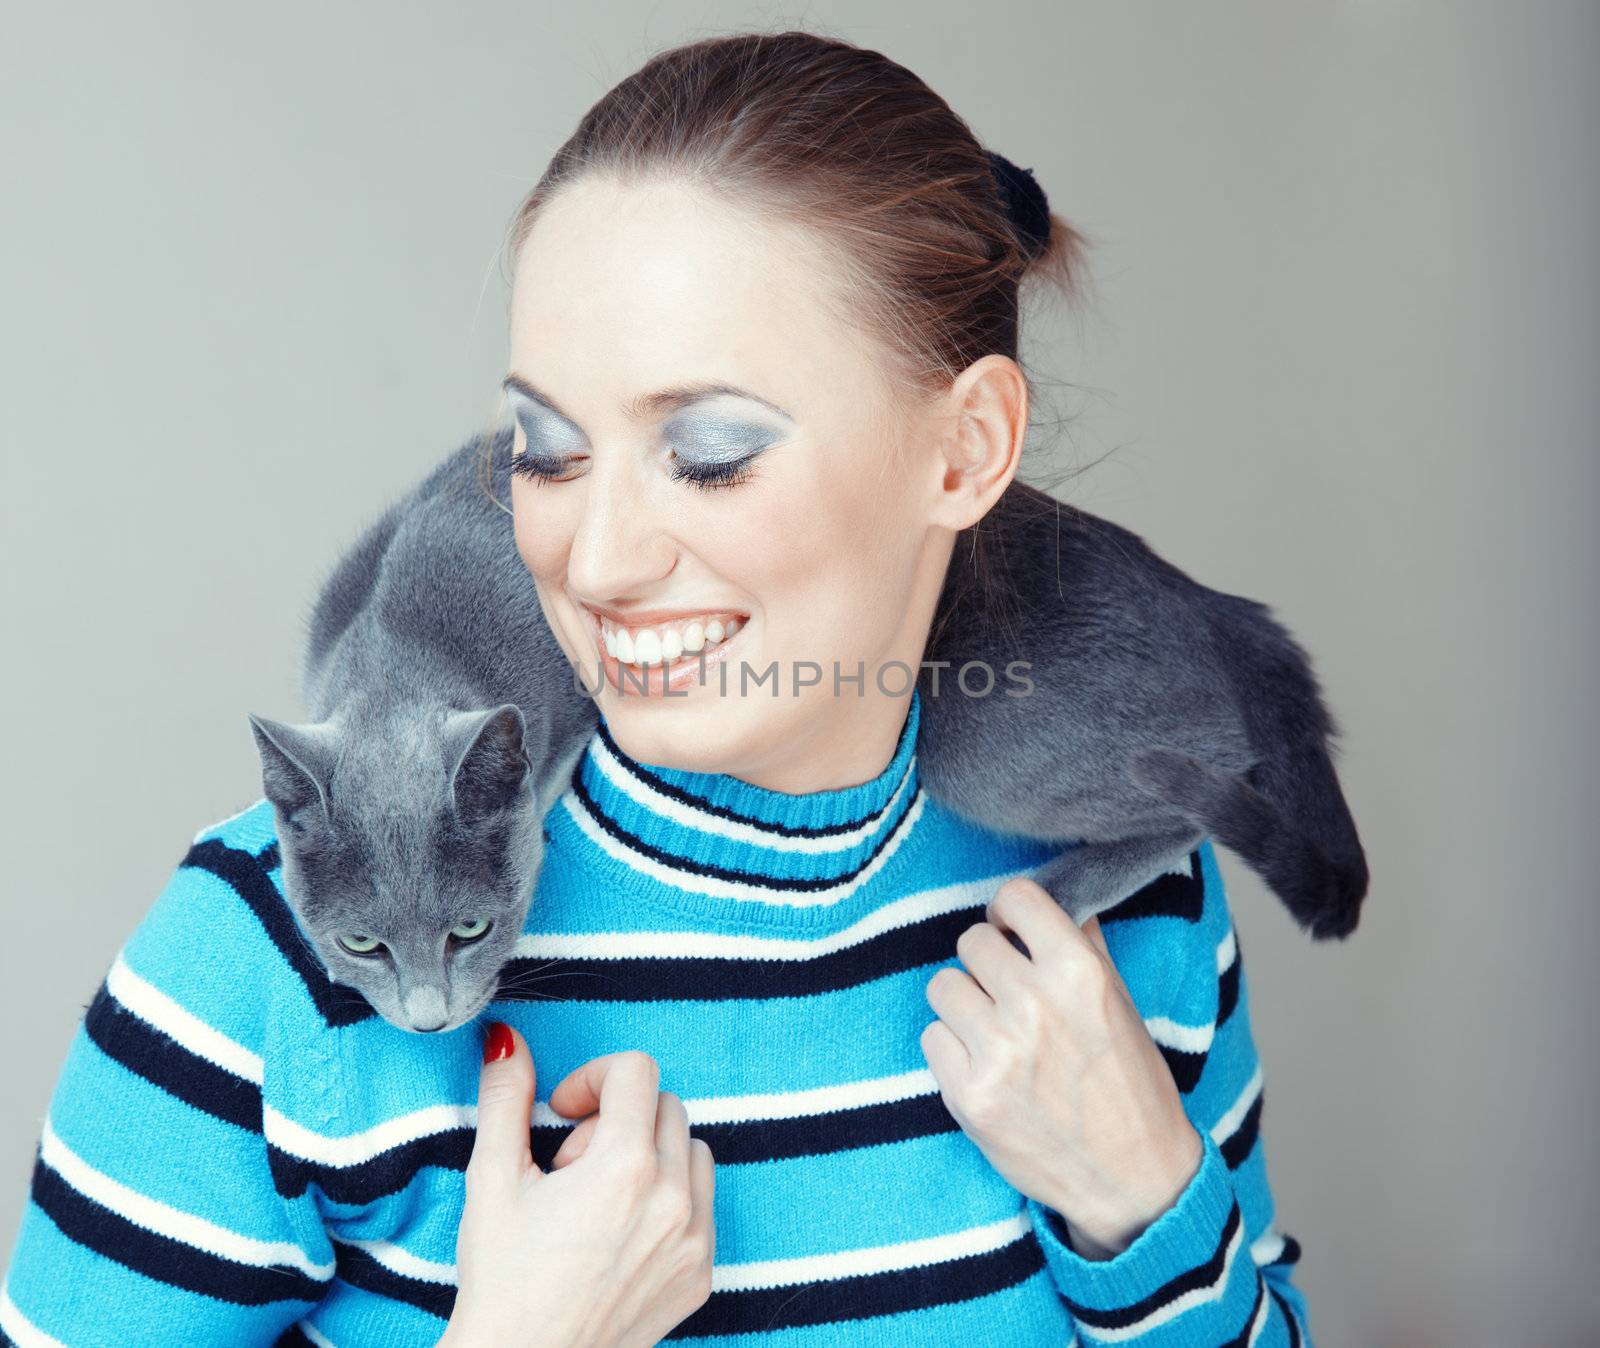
x=218, y=952
x=252, y=828
x=1174, y=945
x=219, y=907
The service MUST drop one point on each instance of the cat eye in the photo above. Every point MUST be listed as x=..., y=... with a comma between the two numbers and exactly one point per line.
x=471, y=929
x=361, y=945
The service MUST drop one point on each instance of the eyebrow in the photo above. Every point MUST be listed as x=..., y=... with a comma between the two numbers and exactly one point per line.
x=651, y=404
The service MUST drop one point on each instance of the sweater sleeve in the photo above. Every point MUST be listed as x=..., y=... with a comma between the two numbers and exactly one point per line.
x=1212, y=1269
x=152, y=1215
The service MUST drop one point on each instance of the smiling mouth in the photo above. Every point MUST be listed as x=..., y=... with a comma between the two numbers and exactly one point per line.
x=663, y=656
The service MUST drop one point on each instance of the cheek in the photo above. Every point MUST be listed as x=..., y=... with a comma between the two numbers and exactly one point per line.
x=543, y=531
x=542, y=535
x=831, y=562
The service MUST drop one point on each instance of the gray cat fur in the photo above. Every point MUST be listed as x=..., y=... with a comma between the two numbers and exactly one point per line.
x=1161, y=712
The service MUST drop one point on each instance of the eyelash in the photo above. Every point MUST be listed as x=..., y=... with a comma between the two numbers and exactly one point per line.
x=706, y=476
x=710, y=476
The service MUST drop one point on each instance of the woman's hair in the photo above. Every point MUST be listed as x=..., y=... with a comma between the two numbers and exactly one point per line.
x=818, y=132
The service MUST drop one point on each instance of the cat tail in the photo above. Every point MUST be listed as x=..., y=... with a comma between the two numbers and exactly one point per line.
x=1303, y=843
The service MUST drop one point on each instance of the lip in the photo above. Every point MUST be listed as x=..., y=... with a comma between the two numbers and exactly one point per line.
x=659, y=679
x=652, y=617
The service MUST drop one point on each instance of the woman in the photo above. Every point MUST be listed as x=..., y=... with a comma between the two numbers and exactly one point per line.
x=764, y=379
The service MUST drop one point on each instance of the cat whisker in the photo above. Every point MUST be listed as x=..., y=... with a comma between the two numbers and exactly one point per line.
x=530, y=975
x=568, y=972
x=522, y=994
x=548, y=964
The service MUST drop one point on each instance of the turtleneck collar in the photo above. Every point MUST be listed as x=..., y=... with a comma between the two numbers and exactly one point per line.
x=716, y=836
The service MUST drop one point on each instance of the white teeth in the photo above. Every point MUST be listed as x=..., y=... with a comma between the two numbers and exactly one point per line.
x=653, y=647
x=647, y=649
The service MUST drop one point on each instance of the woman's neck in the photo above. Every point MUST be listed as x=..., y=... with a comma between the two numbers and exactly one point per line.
x=855, y=763
x=852, y=745
x=718, y=836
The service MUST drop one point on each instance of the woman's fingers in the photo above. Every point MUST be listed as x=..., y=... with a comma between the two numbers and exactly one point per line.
x=1025, y=907
x=1097, y=938
x=672, y=1138
x=575, y=1143
x=621, y=1087
x=500, y=1151
x=700, y=1191
x=1091, y=929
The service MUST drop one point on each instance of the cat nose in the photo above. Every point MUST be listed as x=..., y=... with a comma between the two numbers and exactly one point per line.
x=425, y=1009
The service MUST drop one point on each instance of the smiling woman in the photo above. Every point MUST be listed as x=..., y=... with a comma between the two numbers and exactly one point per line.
x=792, y=498
x=763, y=379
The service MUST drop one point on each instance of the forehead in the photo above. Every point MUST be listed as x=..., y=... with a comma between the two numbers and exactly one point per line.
x=622, y=287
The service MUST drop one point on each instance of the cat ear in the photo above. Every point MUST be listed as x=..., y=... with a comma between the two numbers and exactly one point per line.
x=490, y=765
x=296, y=762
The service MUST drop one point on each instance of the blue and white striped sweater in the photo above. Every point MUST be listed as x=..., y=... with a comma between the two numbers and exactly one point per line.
x=239, y=1152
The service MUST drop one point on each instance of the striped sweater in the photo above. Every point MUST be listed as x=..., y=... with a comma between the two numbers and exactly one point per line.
x=240, y=1152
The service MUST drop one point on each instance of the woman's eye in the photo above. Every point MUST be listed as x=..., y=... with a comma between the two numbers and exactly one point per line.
x=712, y=473
x=471, y=929
x=544, y=468
x=361, y=945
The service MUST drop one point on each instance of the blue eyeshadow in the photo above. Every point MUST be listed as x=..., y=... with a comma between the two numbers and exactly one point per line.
x=709, y=439
x=550, y=432
x=704, y=438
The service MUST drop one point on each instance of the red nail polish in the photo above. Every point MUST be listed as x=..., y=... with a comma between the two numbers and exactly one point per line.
x=498, y=1043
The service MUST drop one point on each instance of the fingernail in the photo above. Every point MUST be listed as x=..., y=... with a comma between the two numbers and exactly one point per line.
x=498, y=1043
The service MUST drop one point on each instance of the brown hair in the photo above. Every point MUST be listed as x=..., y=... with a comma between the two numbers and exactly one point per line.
x=840, y=139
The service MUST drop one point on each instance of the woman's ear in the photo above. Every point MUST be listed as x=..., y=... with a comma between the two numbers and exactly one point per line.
x=985, y=424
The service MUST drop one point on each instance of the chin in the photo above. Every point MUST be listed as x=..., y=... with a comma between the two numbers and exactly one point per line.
x=456, y=1022
x=700, y=733
x=447, y=1028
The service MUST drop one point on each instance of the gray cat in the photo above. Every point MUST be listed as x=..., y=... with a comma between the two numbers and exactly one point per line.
x=1161, y=712
x=447, y=721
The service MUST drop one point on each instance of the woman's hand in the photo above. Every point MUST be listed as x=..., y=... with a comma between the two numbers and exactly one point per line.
x=614, y=1245
x=1046, y=1064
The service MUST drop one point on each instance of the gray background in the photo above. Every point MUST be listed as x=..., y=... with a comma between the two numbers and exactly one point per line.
x=1344, y=363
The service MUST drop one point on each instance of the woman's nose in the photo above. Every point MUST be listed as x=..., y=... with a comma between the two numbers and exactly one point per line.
x=623, y=541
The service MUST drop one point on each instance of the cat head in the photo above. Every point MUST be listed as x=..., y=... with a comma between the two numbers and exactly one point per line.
x=410, y=840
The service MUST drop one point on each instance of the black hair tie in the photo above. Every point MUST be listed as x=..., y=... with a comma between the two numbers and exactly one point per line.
x=1026, y=205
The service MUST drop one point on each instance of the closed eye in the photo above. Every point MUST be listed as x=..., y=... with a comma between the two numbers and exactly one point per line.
x=712, y=474
x=563, y=468
x=705, y=450
x=545, y=468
